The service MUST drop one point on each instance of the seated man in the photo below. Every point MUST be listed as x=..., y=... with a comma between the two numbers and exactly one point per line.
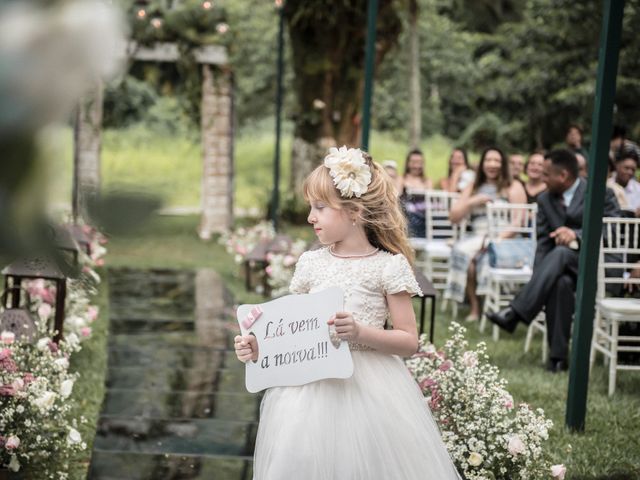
x=555, y=269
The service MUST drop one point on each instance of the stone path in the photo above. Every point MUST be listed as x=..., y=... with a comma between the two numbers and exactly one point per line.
x=175, y=405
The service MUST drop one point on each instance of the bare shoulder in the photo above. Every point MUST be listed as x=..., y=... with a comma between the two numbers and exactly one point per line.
x=517, y=193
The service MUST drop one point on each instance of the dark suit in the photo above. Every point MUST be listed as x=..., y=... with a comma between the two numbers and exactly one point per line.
x=555, y=269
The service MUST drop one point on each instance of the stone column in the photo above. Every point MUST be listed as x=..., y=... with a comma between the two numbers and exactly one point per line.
x=87, y=144
x=217, y=151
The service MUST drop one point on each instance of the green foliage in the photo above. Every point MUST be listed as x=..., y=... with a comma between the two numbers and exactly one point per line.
x=530, y=64
x=541, y=71
x=189, y=22
x=127, y=101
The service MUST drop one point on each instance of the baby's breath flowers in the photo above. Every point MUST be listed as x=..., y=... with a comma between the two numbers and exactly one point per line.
x=486, y=435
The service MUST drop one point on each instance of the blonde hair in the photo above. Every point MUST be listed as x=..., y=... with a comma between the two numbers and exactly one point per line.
x=384, y=222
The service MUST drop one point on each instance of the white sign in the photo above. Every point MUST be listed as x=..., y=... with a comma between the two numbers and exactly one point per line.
x=294, y=342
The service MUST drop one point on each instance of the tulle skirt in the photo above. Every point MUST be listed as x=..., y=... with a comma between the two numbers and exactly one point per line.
x=375, y=425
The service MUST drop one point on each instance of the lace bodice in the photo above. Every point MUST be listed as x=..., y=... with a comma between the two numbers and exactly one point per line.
x=364, y=281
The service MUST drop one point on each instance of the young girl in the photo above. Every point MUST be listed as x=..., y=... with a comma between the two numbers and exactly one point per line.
x=376, y=424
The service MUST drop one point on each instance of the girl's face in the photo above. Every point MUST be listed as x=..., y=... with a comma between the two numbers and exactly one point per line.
x=457, y=160
x=534, y=166
x=416, y=165
x=492, y=165
x=330, y=224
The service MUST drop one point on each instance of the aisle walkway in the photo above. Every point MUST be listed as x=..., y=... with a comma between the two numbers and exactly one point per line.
x=175, y=405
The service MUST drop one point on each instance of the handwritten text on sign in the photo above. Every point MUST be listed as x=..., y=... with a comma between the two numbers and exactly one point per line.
x=293, y=341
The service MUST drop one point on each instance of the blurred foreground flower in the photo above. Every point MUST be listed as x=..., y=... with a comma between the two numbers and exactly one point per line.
x=49, y=57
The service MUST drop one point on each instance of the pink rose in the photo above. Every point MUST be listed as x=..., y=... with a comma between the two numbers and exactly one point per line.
x=92, y=313
x=48, y=295
x=100, y=262
x=28, y=378
x=7, y=391
x=6, y=362
x=289, y=260
x=558, y=471
x=85, y=331
x=269, y=270
x=427, y=383
x=508, y=402
x=445, y=366
x=12, y=443
x=53, y=347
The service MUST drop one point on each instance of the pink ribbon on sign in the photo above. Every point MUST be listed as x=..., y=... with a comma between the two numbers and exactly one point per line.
x=252, y=316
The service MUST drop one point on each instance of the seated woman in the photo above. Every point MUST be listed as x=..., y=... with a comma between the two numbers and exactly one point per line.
x=534, y=185
x=493, y=183
x=460, y=173
x=411, y=187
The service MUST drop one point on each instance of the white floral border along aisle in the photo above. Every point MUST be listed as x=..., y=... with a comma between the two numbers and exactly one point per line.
x=36, y=386
x=487, y=436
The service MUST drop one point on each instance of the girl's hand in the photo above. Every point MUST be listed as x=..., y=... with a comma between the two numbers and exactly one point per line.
x=346, y=327
x=246, y=348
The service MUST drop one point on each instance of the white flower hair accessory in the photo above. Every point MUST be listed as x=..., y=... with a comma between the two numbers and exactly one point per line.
x=349, y=170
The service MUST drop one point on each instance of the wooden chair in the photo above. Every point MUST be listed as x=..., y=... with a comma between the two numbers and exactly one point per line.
x=619, y=254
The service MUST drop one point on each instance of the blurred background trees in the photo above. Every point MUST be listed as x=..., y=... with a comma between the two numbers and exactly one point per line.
x=513, y=72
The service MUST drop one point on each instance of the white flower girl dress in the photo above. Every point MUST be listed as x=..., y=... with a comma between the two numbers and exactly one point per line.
x=375, y=425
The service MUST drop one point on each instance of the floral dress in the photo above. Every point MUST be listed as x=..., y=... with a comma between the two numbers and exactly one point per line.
x=375, y=425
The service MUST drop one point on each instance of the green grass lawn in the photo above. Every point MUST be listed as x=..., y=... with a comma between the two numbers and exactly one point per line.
x=608, y=449
x=170, y=166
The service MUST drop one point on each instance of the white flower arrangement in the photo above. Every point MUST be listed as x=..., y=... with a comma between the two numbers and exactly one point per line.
x=241, y=241
x=485, y=435
x=281, y=267
x=350, y=172
x=35, y=386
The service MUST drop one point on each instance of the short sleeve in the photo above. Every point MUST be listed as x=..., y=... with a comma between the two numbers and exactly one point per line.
x=300, y=281
x=397, y=276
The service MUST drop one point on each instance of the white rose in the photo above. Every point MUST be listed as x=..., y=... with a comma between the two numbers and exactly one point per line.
x=14, y=464
x=17, y=384
x=76, y=322
x=7, y=337
x=62, y=362
x=43, y=344
x=46, y=401
x=469, y=359
x=66, y=388
x=19, y=409
x=515, y=446
x=72, y=340
x=475, y=459
x=74, y=436
x=44, y=311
